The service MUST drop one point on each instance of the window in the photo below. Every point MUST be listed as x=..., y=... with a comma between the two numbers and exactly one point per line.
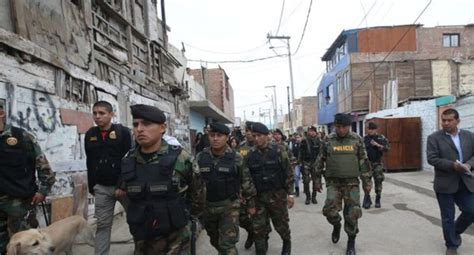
x=330, y=94
x=321, y=100
x=339, y=84
x=347, y=84
x=450, y=40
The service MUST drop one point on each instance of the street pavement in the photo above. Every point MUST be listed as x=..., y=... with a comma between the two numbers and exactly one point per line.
x=408, y=223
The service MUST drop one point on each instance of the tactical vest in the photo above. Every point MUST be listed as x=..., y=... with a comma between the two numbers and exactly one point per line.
x=342, y=160
x=106, y=155
x=311, y=150
x=373, y=153
x=156, y=206
x=221, y=177
x=17, y=165
x=266, y=170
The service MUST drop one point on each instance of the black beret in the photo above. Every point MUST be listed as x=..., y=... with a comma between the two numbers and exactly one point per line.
x=217, y=127
x=343, y=119
x=248, y=125
x=260, y=128
x=313, y=128
x=148, y=112
x=278, y=131
x=372, y=125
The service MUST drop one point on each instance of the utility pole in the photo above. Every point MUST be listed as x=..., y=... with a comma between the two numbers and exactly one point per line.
x=289, y=113
x=274, y=105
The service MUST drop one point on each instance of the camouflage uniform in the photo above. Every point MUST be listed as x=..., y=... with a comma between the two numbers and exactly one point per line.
x=245, y=220
x=221, y=218
x=272, y=204
x=345, y=160
x=375, y=158
x=14, y=211
x=309, y=149
x=190, y=187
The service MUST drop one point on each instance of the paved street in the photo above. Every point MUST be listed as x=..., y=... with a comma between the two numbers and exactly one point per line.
x=407, y=223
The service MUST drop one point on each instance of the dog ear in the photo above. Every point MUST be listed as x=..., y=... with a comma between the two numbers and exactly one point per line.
x=14, y=249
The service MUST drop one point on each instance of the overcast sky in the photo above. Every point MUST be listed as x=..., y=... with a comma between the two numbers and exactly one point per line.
x=221, y=30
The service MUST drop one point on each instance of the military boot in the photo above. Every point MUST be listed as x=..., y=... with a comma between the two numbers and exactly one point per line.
x=367, y=201
x=249, y=241
x=260, y=247
x=297, y=191
x=336, y=233
x=313, y=198
x=351, y=246
x=308, y=198
x=286, y=249
x=377, y=201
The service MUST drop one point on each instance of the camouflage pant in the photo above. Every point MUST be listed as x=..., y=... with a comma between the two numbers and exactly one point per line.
x=245, y=220
x=13, y=217
x=222, y=225
x=377, y=173
x=310, y=174
x=347, y=190
x=271, y=205
x=176, y=243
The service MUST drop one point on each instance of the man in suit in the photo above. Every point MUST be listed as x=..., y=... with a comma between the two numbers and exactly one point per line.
x=451, y=152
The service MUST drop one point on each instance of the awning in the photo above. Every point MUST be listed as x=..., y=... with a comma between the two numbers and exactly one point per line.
x=209, y=110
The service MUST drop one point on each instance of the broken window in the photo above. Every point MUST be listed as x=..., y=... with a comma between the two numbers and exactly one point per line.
x=73, y=89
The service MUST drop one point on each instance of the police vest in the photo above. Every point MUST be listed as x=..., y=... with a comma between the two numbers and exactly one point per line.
x=221, y=177
x=266, y=170
x=342, y=158
x=105, y=155
x=311, y=150
x=17, y=164
x=373, y=152
x=156, y=206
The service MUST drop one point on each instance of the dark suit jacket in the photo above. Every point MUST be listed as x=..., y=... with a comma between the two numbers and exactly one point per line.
x=442, y=153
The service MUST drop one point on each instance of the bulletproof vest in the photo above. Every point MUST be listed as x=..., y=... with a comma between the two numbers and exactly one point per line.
x=266, y=170
x=342, y=160
x=106, y=155
x=312, y=149
x=156, y=206
x=220, y=175
x=17, y=164
x=373, y=153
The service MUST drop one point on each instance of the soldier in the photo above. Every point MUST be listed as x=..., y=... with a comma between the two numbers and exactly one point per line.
x=376, y=145
x=105, y=146
x=309, y=150
x=344, y=156
x=225, y=178
x=272, y=176
x=278, y=139
x=159, y=180
x=21, y=159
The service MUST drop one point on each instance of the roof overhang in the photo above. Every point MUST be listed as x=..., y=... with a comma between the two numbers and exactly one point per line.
x=208, y=109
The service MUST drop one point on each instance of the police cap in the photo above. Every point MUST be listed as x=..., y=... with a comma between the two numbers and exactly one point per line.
x=260, y=128
x=343, y=119
x=372, y=125
x=248, y=125
x=148, y=112
x=217, y=127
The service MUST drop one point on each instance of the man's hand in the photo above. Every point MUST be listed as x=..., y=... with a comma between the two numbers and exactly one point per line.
x=291, y=202
x=319, y=189
x=37, y=198
x=119, y=193
x=252, y=211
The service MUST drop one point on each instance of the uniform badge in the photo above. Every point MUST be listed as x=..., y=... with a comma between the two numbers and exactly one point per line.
x=113, y=135
x=93, y=139
x=12, y=141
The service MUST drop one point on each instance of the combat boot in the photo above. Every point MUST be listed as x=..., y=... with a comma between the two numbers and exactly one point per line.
x=249, y=241
x=336, y=233
x=351, y=246
x=297, y=191
x=308, y=198
x=313, y=198
x=286, y=249
x=367, y=201
x=377, y=201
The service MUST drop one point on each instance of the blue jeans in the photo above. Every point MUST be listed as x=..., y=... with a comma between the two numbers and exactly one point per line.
x=297, y=175
x=464, y=199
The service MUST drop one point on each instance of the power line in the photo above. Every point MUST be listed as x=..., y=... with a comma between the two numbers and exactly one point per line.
x=226, y=53
x=366, y=14
x=304, y=28
x=237, y=61
x=248, y=105
x=281, y=16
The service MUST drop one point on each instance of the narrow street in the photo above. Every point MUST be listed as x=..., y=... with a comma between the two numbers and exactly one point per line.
x=407, y=223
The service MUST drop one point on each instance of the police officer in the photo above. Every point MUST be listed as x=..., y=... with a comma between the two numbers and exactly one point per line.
x=272, y=176
x=344, y=156
x=225, y=178
x=105, y=146
x=159, y=180
x=21, y=159
x=309, y=150
x=376, y=145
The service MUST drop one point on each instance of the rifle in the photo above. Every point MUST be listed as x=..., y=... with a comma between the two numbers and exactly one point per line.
x=43, y=206
x=193, y=235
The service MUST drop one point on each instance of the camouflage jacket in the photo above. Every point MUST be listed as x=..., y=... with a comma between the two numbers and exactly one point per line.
x=190, y=182
x=46, y=176
x=244, y=148
x=305, y=149
x=374, y=152
x=247, y=188
x=284, y=146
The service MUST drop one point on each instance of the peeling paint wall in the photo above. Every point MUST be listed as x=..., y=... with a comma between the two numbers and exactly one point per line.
x=441, y=77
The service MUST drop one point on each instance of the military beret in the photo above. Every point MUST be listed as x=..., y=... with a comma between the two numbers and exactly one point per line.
x=248, y=125
x=278, y=131
x=260, y=128
x=343, y=119
x=148, y=112
x=313, y=128
x=372, y=125
x=217, y=127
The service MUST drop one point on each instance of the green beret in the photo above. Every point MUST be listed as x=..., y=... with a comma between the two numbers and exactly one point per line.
x=248, y=125
x=278, y=131
x=343, y=119
x=217, y=127
x=148, y=112
x=260, y=128
x=372, y=125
